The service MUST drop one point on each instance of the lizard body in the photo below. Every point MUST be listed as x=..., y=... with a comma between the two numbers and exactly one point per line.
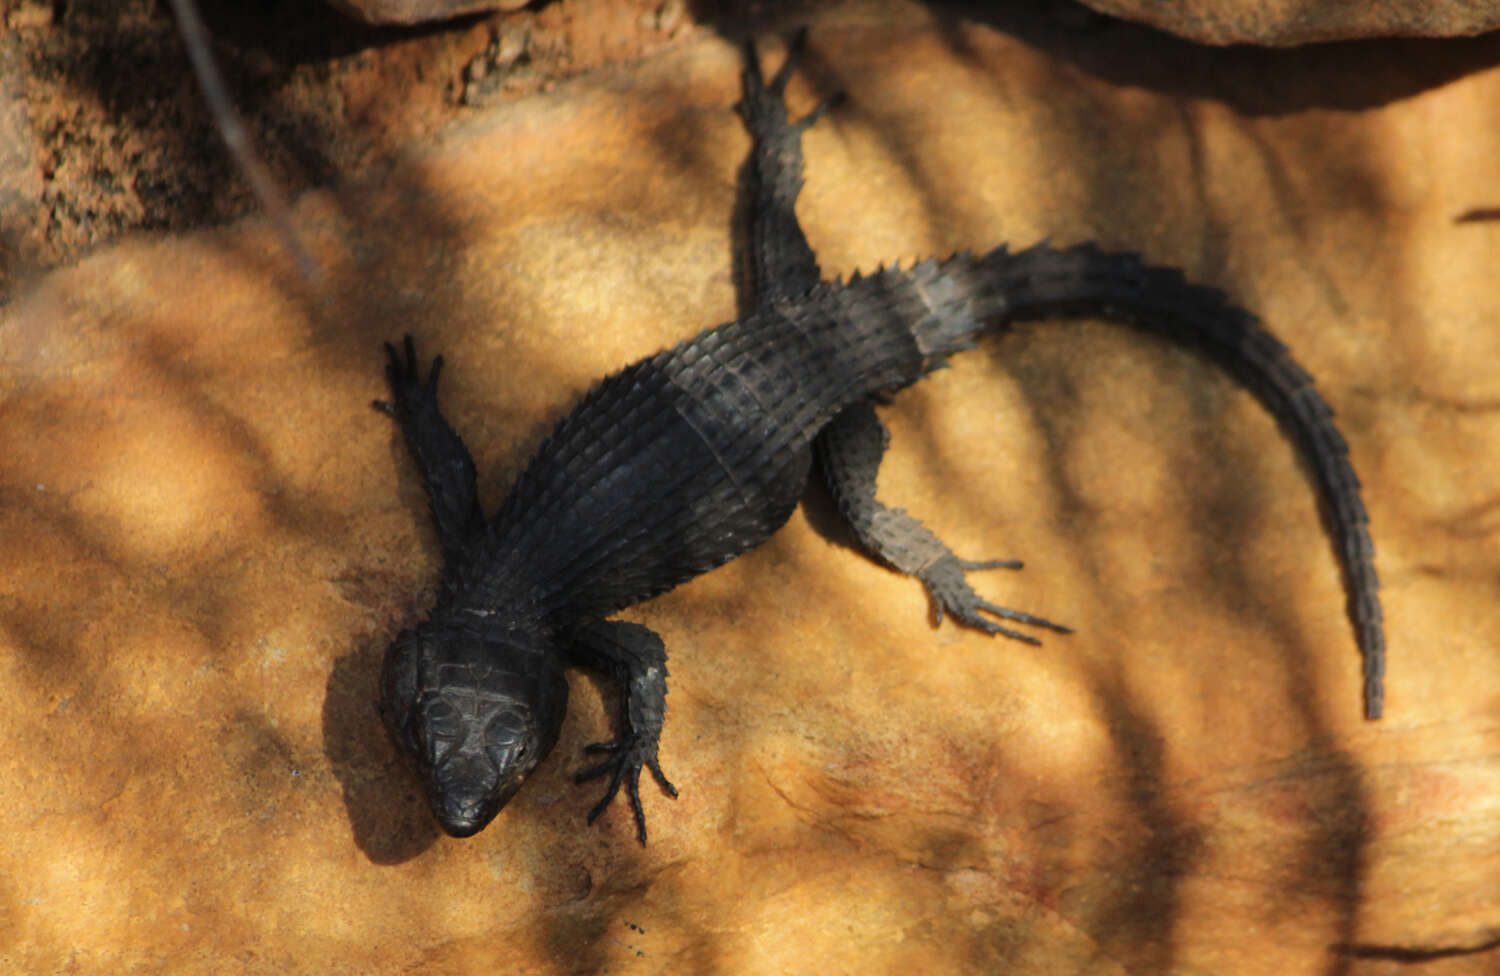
x=693, y=456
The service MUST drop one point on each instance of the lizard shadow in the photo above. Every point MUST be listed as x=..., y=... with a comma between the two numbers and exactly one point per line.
x=388, y=817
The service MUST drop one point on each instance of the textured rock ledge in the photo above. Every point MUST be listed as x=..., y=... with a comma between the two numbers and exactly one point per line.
x=1287, y=22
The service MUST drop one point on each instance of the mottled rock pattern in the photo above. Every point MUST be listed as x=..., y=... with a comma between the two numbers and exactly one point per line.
x=1285, y=22
x=207, y=536
x=419, y=11
x=20, y=176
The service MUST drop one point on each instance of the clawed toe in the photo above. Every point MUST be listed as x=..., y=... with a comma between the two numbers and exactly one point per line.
x=952, y=594
x=763, y=105
x=832, y=101
x=969, y=565
x=403, y=372
x=626, y=758
x=793, y=55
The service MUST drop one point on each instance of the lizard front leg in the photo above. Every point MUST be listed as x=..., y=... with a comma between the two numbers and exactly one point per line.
x=637, y=659
x=849, y=451
x=447, y=468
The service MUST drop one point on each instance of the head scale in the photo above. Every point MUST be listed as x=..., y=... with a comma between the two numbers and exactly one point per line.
x=475, y=711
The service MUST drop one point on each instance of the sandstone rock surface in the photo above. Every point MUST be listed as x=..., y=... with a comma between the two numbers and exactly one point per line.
x=207, y=536
x=1284, y=22
x=420, y=11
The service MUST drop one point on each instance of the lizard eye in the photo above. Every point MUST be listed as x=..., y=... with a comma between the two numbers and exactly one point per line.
x=508, y=737
x=442, y=720
x=507, y=725
x=509, y=755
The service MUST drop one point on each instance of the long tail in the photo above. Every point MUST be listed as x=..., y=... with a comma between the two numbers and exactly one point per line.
x=964, y=296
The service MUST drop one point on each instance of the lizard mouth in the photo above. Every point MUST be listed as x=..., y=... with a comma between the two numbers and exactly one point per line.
x=464, y=817
x=462, y=825
x=468, y=795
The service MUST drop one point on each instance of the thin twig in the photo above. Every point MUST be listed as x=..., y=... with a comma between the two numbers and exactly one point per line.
x=195, y=37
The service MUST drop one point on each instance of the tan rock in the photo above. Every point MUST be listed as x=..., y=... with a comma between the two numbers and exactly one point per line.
x=20, y=176
x=1286, y=22
x=420, y=11
x=207, y=536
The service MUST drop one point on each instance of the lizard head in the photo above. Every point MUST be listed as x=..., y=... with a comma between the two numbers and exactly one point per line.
x=475, y=714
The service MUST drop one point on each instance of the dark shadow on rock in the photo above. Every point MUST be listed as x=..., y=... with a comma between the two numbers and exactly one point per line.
x=1331, y=858
x=1137, y=913
x=1478, y=215
x=1147, y=898
x=388, y=813
x=1414, y=954
x=51, y=641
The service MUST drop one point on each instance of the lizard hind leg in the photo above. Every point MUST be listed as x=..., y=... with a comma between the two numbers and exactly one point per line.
x=849, y=451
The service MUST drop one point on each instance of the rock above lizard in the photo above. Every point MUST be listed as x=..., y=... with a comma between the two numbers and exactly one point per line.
x=1282, y=23
x=420, y=11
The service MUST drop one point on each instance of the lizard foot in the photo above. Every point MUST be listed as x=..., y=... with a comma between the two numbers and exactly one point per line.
x=626, y=757
x=951, y=592
x=763, y=106
x=408, y=390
